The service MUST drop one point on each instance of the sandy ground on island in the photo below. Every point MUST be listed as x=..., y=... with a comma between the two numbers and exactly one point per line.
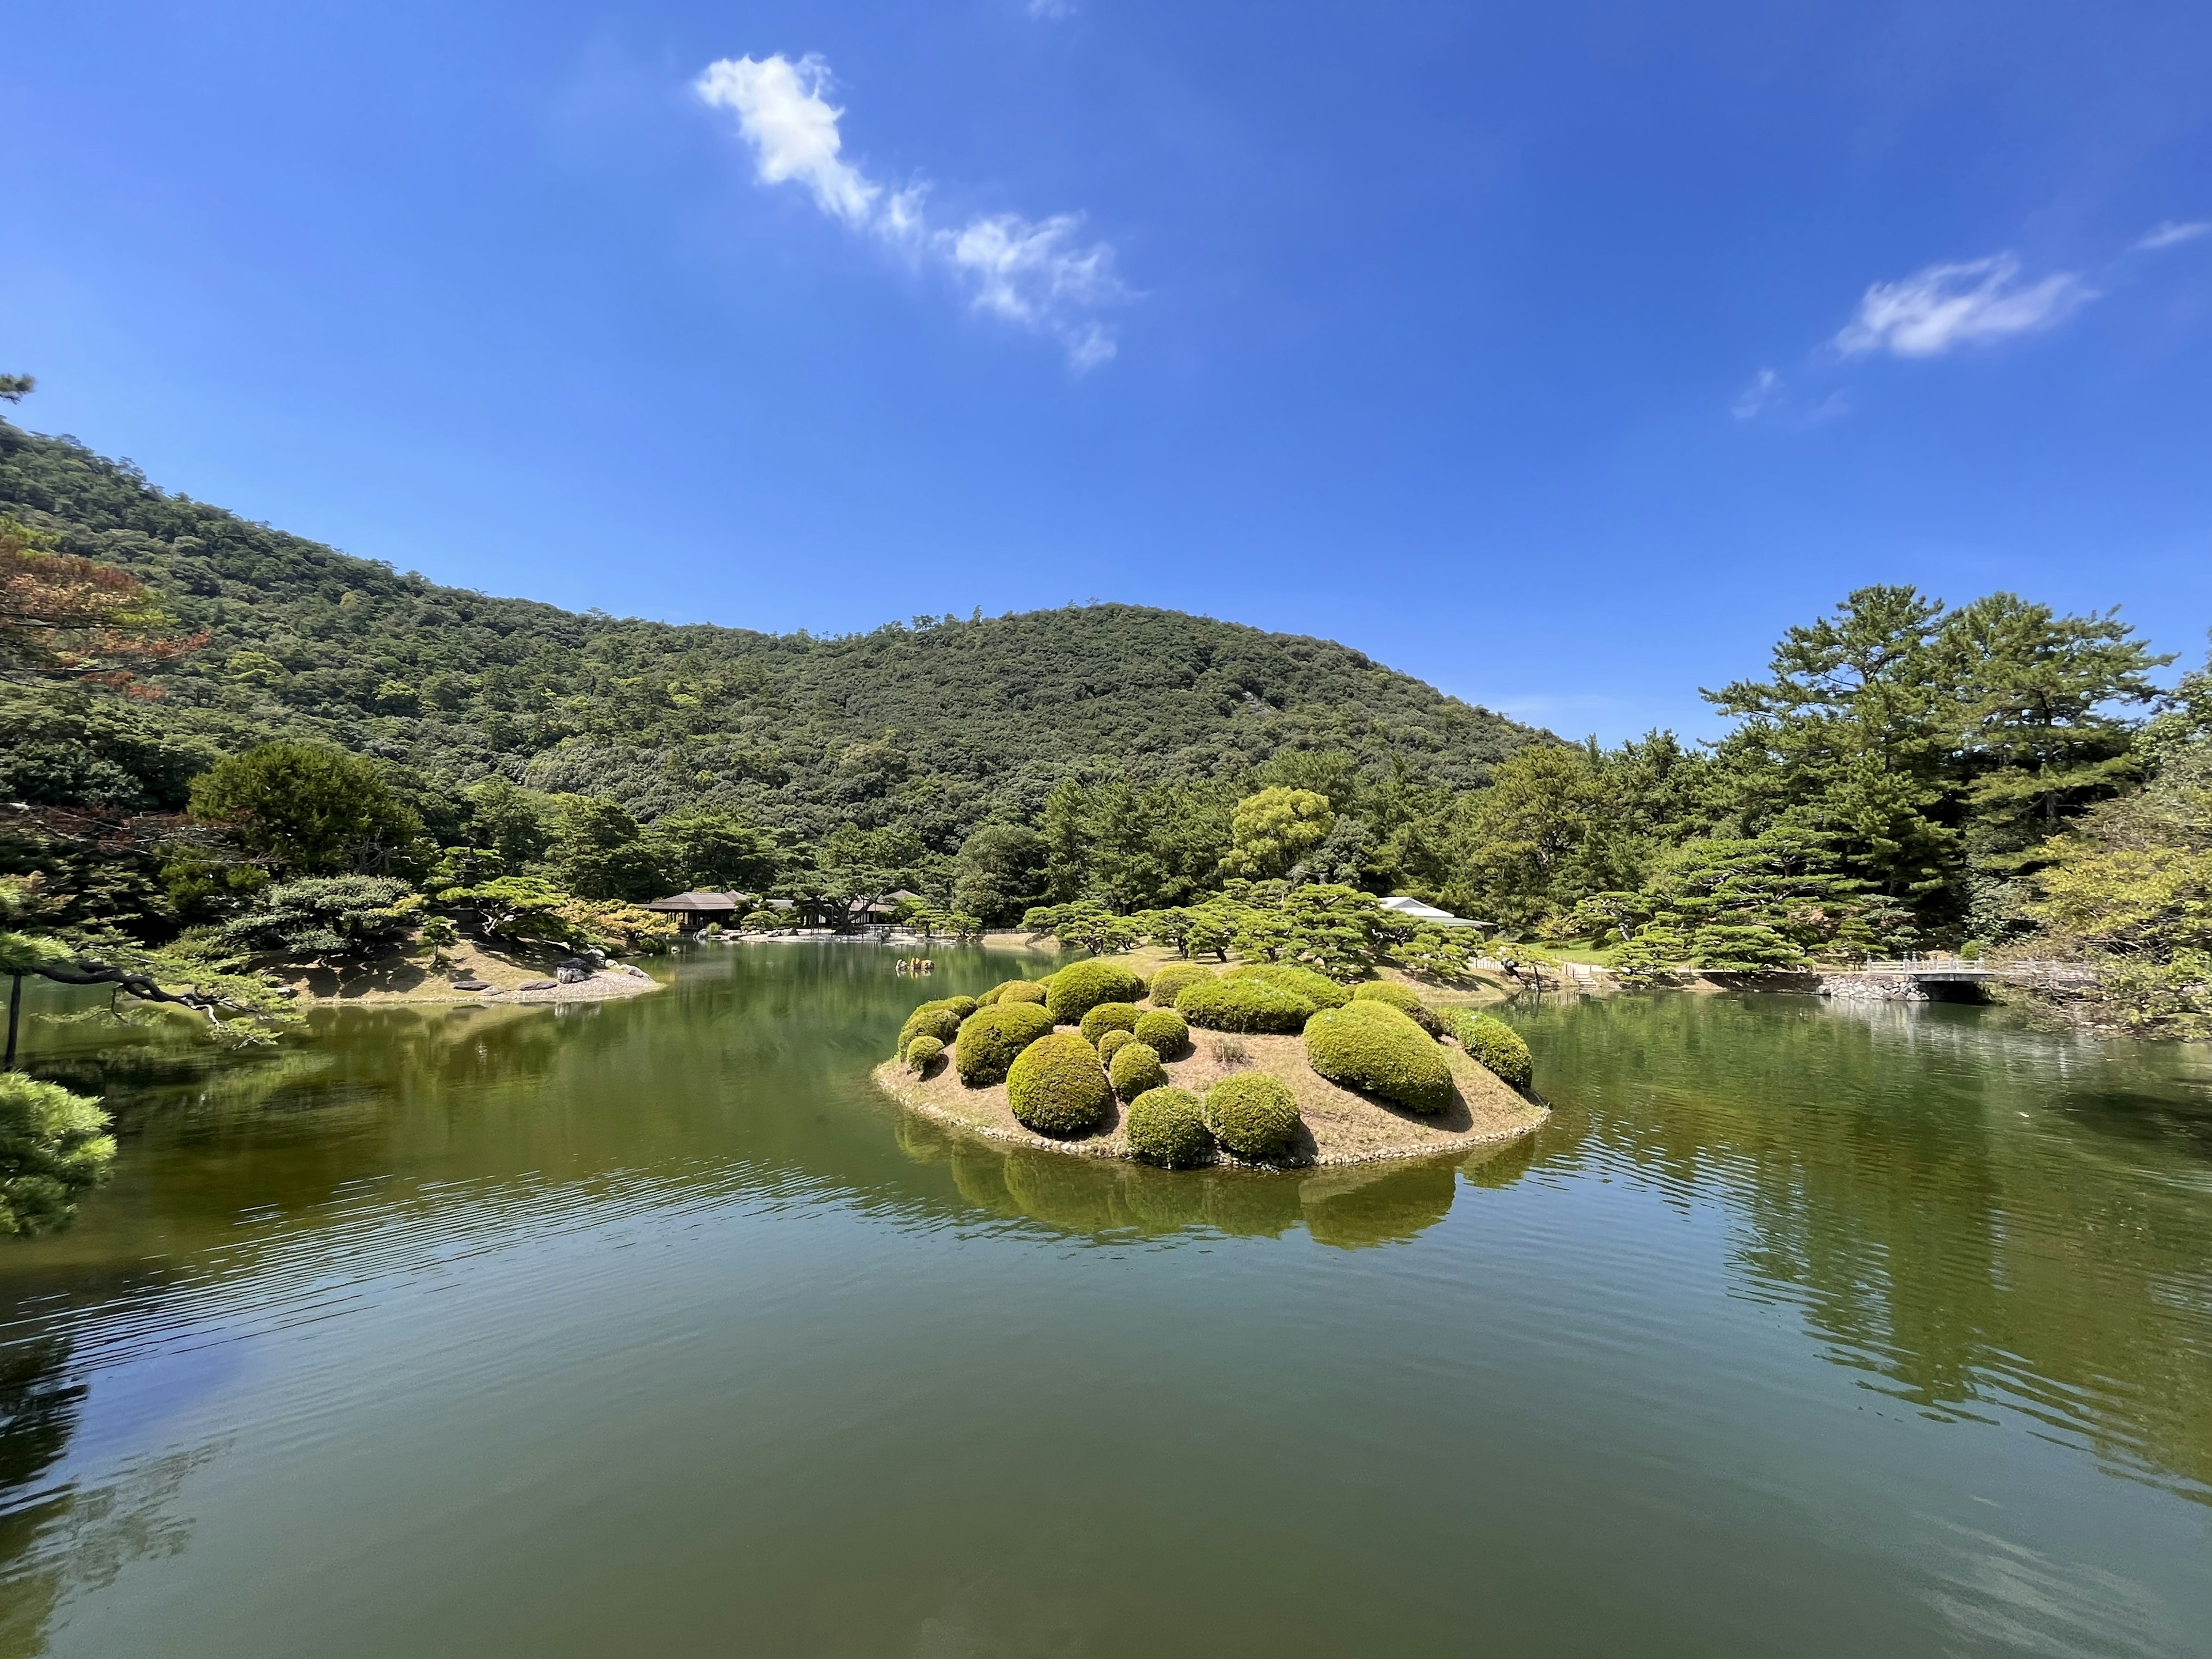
x=1341, y=1126
x=407, y=976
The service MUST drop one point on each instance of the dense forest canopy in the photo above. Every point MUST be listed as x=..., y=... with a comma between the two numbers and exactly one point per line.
x=229, y=712
x=933, y=727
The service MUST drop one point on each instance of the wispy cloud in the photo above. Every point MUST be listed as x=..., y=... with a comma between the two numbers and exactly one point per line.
x=2170, y=233
x=1052, y=9
x=1035, y=273
x=1933, y=310
x=1764, y=387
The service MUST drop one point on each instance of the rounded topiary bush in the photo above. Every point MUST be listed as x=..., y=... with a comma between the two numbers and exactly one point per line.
x=1077, y=988
x=1022, y=990
x=1244, y=1005
x=1168, y=984
x=1319, y=989
x=1109, y=1041
x=1255, y=1116
x=964, y=1006
x=1135, y=1068
x=1166, y=1126
x=932, y=1019
x=1110, y=1017
x=1496, y=1045
x=923, y=1053
x=1164, y=1031
x=1057, y=1088
x=989, y=997
x=1398, y=997
x=991, y=1037
x=1371, y=1047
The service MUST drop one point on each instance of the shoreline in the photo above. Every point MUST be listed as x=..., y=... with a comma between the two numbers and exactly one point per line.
x=407, y=978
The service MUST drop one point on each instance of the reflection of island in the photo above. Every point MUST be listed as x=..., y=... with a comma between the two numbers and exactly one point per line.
x=1347, y=1205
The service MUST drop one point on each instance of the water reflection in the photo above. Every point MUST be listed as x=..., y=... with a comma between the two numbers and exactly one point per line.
x=1349, y=1207
x=1983, y=1223
x=1974, y=1214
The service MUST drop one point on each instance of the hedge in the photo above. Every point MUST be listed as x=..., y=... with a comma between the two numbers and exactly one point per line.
x=1398, y=997
x=923, y=1053
x=964, y=1006
x=1109, y=1041
x=990, y=997
x=1496, y=1045
x=1166, y=1126
x=1057, y=1088
x=1077, y=988
x=1319, y=989
x=1371, y=1047
x=1171, y=979
x=1255, y=1116
x=1135, y=1069
x=991, y=1037
x=1018, y=990
x=1108, y=1017
x=1164, y=1031
x=1244, y=1005
x=933, y=1019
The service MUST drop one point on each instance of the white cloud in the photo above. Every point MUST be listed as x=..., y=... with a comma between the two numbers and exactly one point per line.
x=1933, y=310
x=1054, y=9
x=1035, y=273
x=2172, y=231
x=792, y=128
x=1764, y=386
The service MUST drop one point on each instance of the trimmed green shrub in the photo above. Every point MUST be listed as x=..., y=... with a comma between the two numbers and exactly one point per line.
x=1166, y=1126
x=989, y=997
x=923, y=1053
x=1255, y=1116
x=1398, y=997
x=962, y=1007
x=1077, y=988
x=1244, y=1005
x=934, y=1020
x=1108, y=1017
x=1371, y=1047
x=1164, y=1031
x=1170, y=980
x=1496, y=1045
x=1319, y=989
x=1135, y=1068
x=54, y=1146
x=1109, y=1041
x=1057, y=1088
x=991, y=1037
x=1022, y=990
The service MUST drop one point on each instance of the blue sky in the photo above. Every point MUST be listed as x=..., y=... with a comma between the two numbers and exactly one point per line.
x=1561, y=355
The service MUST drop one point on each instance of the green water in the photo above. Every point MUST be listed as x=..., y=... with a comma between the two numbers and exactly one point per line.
x=648, y=1328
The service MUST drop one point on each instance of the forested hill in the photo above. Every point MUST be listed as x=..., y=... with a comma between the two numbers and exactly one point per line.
x=935, y=726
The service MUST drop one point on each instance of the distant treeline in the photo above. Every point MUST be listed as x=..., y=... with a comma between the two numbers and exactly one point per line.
x=1905, y=775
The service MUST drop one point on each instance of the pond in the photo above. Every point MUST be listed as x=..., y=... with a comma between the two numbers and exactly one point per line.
x=649, y=1327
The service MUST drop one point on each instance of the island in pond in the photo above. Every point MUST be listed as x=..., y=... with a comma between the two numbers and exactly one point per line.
x=1261, y=1064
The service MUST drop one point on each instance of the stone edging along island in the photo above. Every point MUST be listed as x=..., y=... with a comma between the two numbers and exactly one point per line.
x=1339, y=1125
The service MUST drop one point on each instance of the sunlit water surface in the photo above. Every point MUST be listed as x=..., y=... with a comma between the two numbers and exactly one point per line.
x=649, y=1327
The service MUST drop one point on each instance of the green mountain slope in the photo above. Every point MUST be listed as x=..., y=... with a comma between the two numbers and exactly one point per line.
x=937, y=725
